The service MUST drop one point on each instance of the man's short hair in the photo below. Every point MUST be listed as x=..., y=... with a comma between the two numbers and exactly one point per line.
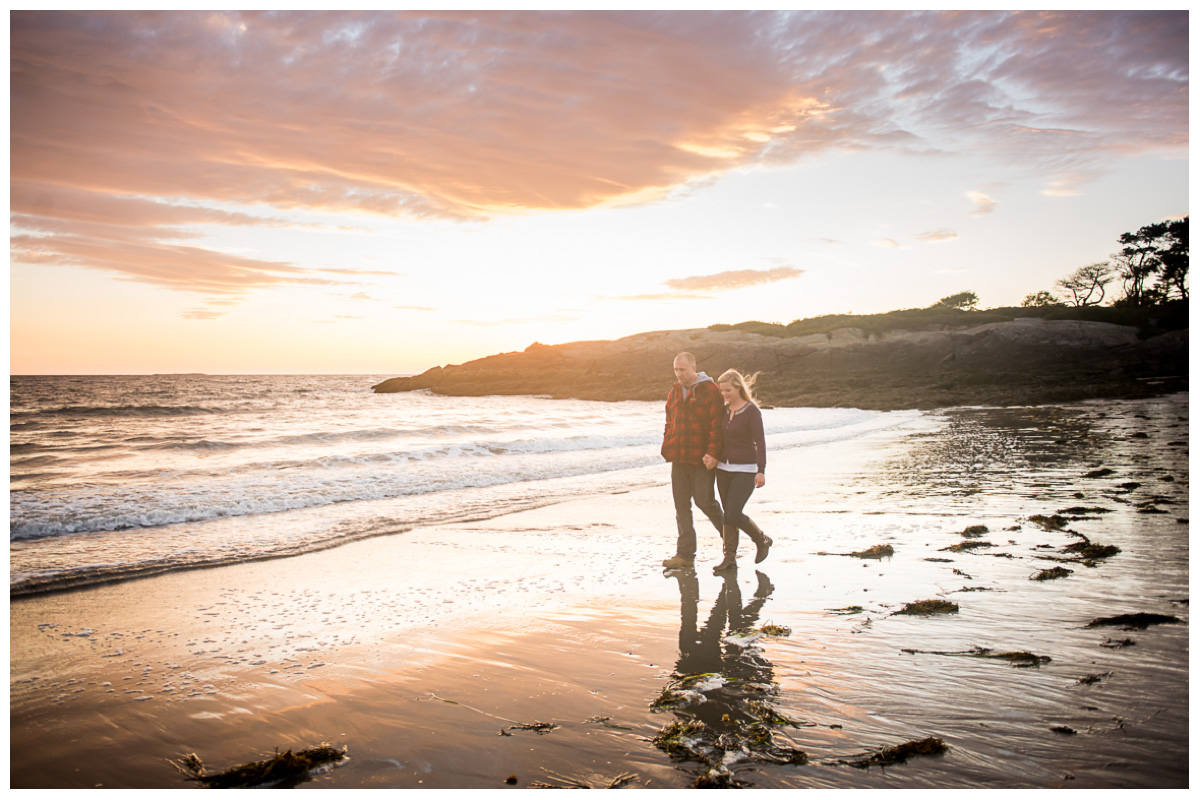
x=688, y=357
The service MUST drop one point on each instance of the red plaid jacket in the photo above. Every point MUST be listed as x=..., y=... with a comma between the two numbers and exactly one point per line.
x=693, y=425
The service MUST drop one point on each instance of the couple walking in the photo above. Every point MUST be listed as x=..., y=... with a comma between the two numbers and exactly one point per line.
x=714, y=430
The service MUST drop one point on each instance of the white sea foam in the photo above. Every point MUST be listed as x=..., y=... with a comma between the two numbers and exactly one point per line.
x=271, y=455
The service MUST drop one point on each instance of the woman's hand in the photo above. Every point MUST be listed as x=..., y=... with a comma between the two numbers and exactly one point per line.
x=760, y=480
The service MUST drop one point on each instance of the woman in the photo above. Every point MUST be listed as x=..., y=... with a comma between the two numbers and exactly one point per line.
x=742, y=466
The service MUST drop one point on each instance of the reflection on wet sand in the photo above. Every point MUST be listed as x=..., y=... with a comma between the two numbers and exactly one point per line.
x=721, y=690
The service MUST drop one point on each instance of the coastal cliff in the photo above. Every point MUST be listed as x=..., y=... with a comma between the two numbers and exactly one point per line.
x=1023, y=361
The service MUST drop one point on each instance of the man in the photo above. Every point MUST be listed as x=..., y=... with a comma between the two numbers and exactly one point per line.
x=692, y=442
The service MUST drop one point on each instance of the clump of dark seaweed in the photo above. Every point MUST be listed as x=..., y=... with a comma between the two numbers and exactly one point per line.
x=878, y=551
x=687, y=690
x=1129, y=486
x=968, y=545
x=1017, y=658
x=1051, y=574
x=1089, y=680
x=846, y=611
x=1133, y=622
x=1099, y=473
x=924, y=607
x=693, y=740
x=540, y=728
x=941, y=560
x=1051, y=523
x=584, y=781
x=771, y=629
x=1065, y=730
x=889, y=756
x=607, y=722
x=279, y=767
x=1082, y=512
x=1117, y=644
x=1088, y=552
x=974, y=531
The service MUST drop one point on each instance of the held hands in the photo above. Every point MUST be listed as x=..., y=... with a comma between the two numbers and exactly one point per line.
x=709, y=462
x=760, y=481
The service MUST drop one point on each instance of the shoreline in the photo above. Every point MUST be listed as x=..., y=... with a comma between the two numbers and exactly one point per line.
x=417, y=650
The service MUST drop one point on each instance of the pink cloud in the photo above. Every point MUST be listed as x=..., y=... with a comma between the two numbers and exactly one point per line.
x=733, y=279
x=127, y=127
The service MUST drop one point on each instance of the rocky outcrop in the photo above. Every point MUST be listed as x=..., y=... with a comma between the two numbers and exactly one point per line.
x=1005, y=363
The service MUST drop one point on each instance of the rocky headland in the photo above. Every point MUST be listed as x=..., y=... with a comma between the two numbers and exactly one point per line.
x=1018, y=362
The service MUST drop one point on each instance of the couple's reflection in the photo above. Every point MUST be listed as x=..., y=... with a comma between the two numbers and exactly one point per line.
x=723, y=682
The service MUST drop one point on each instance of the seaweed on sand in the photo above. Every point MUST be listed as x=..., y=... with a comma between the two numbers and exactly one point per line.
x=1082, y=512
x=1052, y=574
x=608, y=723
x=1117, y=644
x=1088, y=680
x=771, y=629
x=974, y=531
x=695, y=741
x=279, y=767
x=1099, y=473
x=1133, y=622
x=846, y=611
x=540, y=728
x=591, y=781
x=925, y=607
x=878, y=551
x=687, y=690
x=1087, y=552
x=973, y=544
x=1054, y=522
x=1017, y=658
x=930, y=746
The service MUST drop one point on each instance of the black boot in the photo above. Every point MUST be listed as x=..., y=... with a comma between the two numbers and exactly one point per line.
x=760, y=539
x=729, y=540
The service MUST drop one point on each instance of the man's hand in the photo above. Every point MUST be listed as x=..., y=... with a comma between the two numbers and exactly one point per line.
x=760, y=481
x=709, y=462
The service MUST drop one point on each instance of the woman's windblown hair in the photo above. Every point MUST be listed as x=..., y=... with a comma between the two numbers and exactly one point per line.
x=744, y=384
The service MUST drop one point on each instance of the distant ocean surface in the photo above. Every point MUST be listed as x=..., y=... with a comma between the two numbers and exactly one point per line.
x=116, y=476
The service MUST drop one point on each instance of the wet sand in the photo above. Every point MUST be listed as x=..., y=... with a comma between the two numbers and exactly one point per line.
x=424, y=653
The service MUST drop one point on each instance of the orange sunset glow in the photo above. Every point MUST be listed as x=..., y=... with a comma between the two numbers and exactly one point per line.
x=354, y=192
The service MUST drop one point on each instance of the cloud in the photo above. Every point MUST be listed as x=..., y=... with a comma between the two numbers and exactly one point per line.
x=129, y=130
x=733, y=279
x=665, y=296
x=202, y=313
x=940, y=235
x=890, y=243
x=415, y=308
x=983, y=204
x=140, y=239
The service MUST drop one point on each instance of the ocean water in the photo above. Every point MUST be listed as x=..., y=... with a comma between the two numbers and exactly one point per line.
x=119, y=476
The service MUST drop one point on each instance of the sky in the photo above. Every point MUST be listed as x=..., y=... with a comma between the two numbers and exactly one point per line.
x=384, y=192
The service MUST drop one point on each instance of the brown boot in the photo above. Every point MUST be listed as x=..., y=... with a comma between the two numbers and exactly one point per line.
x=760, y=539
x=729, y=541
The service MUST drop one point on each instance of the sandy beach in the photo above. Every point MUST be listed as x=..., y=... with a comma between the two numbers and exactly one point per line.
x=432, y=655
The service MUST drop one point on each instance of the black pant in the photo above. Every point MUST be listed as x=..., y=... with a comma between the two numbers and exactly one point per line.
x=692, y=481
x=735, y=489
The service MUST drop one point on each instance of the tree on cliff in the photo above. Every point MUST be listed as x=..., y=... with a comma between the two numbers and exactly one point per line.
x=1085, y=286
x=1153, y=264
x=967, y=301
x=1040, y=299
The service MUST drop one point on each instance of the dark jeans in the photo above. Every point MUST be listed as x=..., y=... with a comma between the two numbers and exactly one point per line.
x=690, y=482
x=735, y=489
